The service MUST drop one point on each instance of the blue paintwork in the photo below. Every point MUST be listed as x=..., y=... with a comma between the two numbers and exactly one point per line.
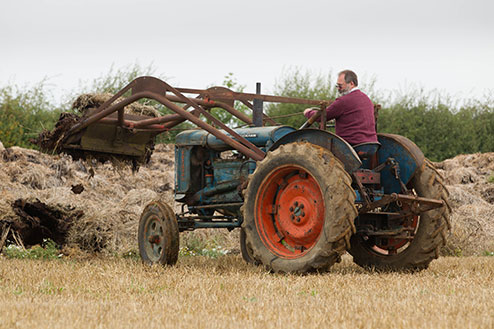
x=365, y=152
x=334, y=143
x=405, y=152
x=359, y=198
x=227, y=174
x=222, y=170
x=262, y=137
x=182, y=169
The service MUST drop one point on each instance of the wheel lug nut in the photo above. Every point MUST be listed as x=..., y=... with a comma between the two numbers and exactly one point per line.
x=291, y=208
x=301, y=206
x=296, y=203
x=303, y=214
x=298, y=219
x=292, y=217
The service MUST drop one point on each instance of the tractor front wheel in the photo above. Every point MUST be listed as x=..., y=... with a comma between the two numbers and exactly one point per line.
x=158, y=236
x=298, y=209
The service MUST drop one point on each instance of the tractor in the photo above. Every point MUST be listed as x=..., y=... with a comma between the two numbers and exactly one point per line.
x=300, y=197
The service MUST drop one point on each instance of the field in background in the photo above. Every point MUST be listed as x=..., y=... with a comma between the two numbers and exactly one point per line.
x=224, y=292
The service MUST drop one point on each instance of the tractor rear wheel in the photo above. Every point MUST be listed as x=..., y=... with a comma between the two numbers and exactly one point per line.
x=158, y=236
x=429, y=235
x=298, y=209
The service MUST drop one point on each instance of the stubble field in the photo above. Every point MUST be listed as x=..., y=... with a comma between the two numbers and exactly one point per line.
x=225, y=292
x=106, y=291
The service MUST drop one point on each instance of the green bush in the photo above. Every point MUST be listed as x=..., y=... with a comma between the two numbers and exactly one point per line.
x=24, y=113
x=438, y=125
x=440, y=128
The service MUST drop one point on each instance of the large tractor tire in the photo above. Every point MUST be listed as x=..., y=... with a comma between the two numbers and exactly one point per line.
x=298, y=209
x=429, y=235
x=158, y=235
x=246, y=253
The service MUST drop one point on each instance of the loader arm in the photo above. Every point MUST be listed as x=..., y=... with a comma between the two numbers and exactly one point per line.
x=109, y=124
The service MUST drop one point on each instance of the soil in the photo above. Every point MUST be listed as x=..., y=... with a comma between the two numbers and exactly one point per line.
x=37, y=221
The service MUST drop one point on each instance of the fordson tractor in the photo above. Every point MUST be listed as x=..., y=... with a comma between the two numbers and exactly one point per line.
x=300, y=197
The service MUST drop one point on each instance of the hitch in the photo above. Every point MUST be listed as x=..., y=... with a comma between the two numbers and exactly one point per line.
x=417, y=205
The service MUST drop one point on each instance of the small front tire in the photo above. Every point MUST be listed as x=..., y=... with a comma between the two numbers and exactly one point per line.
x=158, y=236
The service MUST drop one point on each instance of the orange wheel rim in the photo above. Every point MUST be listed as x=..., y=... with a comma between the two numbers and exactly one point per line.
x=289, y=211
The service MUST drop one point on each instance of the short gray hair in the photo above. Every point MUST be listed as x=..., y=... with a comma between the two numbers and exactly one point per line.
x=350, y=76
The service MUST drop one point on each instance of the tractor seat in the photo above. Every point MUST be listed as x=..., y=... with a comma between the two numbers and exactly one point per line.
x=365, y=152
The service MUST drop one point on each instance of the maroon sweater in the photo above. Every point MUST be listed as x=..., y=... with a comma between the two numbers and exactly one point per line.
x=354, y=114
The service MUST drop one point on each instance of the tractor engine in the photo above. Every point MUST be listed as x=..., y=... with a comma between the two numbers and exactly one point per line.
x=210, y=175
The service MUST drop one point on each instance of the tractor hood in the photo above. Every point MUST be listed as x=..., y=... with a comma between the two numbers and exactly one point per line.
x=262, y=137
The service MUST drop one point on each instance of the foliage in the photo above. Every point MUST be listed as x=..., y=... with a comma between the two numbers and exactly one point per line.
x=197, y=245
x=296, y=83
x=438, y=127
x=48, y=250
x=24, y=113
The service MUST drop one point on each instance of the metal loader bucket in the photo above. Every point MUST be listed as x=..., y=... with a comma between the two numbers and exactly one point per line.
x=107, y=137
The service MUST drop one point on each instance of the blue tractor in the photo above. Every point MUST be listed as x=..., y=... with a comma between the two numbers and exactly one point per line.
x=301, y=197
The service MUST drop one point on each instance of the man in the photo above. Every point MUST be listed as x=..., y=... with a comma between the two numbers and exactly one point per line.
x=353, y=111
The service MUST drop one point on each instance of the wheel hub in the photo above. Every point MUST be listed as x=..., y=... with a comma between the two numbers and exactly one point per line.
x=154, y=238
x=294, y=226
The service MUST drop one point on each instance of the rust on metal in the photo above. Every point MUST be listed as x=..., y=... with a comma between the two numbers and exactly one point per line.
x=417, y=204
x=160, y=91
x=368, y=177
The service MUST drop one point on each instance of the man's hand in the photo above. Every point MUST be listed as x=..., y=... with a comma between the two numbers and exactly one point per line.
x=306, y=112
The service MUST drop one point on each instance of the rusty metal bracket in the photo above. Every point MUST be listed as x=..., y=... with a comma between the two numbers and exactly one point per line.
x=417, y=204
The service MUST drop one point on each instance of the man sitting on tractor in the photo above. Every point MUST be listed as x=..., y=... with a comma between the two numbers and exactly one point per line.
x=353, y=112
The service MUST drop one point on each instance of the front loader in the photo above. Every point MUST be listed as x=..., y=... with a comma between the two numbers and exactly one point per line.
x=301, y=197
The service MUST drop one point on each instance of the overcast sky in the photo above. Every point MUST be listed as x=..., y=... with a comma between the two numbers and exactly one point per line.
x=436, y=44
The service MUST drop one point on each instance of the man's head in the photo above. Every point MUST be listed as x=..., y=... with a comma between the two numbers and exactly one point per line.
x=347, y=80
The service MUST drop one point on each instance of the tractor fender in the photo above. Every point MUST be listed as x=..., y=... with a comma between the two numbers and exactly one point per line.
x=330, y=141
x=406, y=153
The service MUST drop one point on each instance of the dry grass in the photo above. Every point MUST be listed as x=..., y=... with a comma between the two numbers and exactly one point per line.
x=472, y=199
x=85, y=102
x=227, y=293
x=112, y=200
